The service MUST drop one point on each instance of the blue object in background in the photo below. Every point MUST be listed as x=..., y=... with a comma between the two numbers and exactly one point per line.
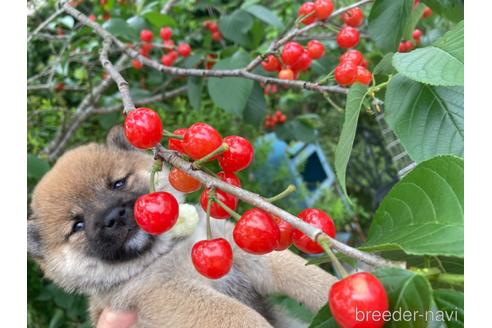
x=306, y=162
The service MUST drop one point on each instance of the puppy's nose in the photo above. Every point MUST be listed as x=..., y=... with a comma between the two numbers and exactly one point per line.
x=116, y=217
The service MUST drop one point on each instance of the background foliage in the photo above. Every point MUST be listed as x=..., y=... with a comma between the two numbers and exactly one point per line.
x=423, y=105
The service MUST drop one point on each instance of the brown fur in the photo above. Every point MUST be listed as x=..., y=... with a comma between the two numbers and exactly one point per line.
x=161, y=284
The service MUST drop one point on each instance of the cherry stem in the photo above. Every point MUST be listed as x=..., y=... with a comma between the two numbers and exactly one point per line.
x=222, y=148
x=325, y=244
x=437, y=275
x=289, y=190
x=156, y=167
x=172, y=135
x=229, y=210
x=211, y=194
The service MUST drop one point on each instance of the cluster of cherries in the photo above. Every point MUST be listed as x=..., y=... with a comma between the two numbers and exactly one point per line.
x=256, y=231
x=272, y=120
x=294, y=58
x=171, y=52
x=214, y=29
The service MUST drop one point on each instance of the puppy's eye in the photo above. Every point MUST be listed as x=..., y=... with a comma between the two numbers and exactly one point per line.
x=119, y=184
x=78, y=224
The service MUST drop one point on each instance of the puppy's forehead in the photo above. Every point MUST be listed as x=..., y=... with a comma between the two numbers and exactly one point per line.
x=79, y=173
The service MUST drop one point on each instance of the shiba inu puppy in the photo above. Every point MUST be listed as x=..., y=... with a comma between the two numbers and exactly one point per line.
x=83, y=235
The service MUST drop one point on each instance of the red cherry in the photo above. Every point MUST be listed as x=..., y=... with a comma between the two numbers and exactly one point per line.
x=323, y=8
x=216, y=36
x=282, y=119
x=200, y=140
x=216, y=211
x=408, y=45
x=285, y=233
x=271, y=64
x=106, y=16
x=167, y=60
x=60, y=86
x=346, y=73
x=256, y=232
x=212, y=258
x=210, y=61
x=147, y=47
x=144, y=52
x=177, y=144
x=211, y=26
x=353, y=17
x=156, y=212
x=427, y=12
x=348, y=37
x=143, y=128
x=137, y=64
x=364, y=76
x=315, y=49
x=359, y=293
x=417, y=34
x=402, y=47
x=291, y=53
x=168, y=45
x=184, y=49
x=364, y=63
x=302, y=63
x=146, y=35
x=173, y=54
x=318, y=219
x=307, y=8
x=351, y=55
x=92, y=18
x=166, y=33
x=286, y=74
x=182, y=181
x=238, y=156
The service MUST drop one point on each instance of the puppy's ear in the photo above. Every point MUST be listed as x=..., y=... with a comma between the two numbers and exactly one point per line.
x=116, y=139
x=33, y=239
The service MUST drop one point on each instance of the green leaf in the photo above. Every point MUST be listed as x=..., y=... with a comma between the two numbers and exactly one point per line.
x=255, y=110
x=36, y=167
x=451, y=9
x=452, y=304
x=292, y=307
x=159, y=20
x=235, y=27
x=138, y=23
x=119, y=28
x=407, y=291
x=194, y=88
x=355, y=98
x=412, y=21
x=265, y=15
x=428, y=120
x=385, y=65
x=442, y=63
x=423, y=213
x=387, y=21
x=296, y=130
x=231, y=93
x=324, y=319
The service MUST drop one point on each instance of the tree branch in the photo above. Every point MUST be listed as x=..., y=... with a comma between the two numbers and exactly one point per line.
x=44, y=24
x=243, y=72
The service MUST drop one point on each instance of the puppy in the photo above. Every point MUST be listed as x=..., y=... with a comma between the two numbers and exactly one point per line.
x=83, y=235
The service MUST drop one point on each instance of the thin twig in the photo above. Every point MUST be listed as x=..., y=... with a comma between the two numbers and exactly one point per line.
x=116, y=76
x=44, y=24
